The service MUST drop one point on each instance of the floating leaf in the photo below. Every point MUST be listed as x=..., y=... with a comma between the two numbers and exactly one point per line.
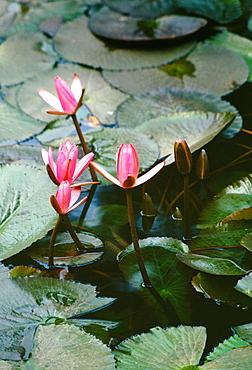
x=32, y=301
x=25, y=193
x=216, y=266
x=22, y=271
x=14, y=153
x=16, y=126
x=236, y=43
x=67, y=347
x=233, y=198
x=197, y=128
x=159, y=255
x=244, y=285
x=16, y=67
x=137, y=29
x=171, y=348
x=222, y=11
x=221, y=289
x=247, y=240
x=228, y=345
x=76, y=43
x=65, y=250
x=100, y=98
x=157, y=103
x=239, y=358
x=218, y=71
x=245, y=332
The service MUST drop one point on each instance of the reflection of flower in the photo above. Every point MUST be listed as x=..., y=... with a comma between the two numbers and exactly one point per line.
x=127, y=168
x=66, y=198
x=69, y=99
x=66, y=166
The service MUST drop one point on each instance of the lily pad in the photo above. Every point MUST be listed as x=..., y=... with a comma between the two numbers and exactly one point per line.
x=76, y=43
x=197, y=128
x=25, y=193
x=16, y=67
x=126, y=28
x=239, y=358
x=234, y=198
x=54, y=346
x=14, y=153
x=171, y=348
x=65, y=250
x=236, y=43
x=16, y=126
x=222, y=11
x=140, y=108
x=32, y=301
x=244, y=285
x=100, y=98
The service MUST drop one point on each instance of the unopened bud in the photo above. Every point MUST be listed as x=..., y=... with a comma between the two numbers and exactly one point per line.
x=148, y=206
x=183, y=157
x=177, y=215
x=202, y=165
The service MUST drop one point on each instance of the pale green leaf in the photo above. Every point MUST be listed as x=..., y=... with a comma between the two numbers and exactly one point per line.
x=244, y=285
x=239, y=358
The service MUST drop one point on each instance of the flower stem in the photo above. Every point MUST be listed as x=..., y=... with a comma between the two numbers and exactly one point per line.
x=83, y=144
x=52, y=241
x=186, y=207
x=145, y=276
x=73, y=233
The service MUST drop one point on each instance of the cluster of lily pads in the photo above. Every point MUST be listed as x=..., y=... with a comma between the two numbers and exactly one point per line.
x=159, y=73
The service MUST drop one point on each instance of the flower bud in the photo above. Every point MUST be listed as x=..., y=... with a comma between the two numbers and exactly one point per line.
x=202, y=165
x=183, y=157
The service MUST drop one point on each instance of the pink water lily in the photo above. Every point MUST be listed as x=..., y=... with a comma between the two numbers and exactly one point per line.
x=66, y=167
x=127, y=168
x=69, y=98
x=66, y=198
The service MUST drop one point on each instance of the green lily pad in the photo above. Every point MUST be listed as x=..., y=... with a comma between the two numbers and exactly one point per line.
x=32, y=301
x=76, y=43
x=163, y=267
x=244, y=285
x=239, y=358
x=211, y=265
x=197, y=128
x=16, y=126
x=100, y=98
x=4, y=271
x=236, y=43
x=221, y=289
x=246, y=241
x=140, y=108
x=222, y=11
x=25, y=193
x=65, y=250
x=234, y=198
x=171, y=348
x=54, y=346
x=16, y=67
x=137, y=29
x=10, y=154
x=245, y=332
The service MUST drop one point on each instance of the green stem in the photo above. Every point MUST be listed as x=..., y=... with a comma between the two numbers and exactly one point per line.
x=87, y=204
x=142, y=268
x=83, y=144
x=73, y=233
x=52, y=241
x=186, y=207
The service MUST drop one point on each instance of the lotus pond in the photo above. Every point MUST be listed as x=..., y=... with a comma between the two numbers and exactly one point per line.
x=132, y=256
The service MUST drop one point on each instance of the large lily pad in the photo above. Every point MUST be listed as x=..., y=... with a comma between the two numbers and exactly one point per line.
x=234, y=198
x=244, y=285
x=24, y=200
x=171, y=348
x=68, y=347
x=16, y=126
x=17, y=67
x=197, y=128
x=32, y=301
x=137, y=29
x=100, y=98
x=140, y=108
x=219, y=10
x=76, y=43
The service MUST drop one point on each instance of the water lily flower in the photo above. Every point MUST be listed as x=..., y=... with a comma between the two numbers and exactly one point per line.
x=127, y=168
x=66, y=198
x=66, y=166
x=69, y=98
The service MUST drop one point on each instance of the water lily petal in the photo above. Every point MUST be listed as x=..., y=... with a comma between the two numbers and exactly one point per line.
x=66, y=97
x=105, y=173
x=76, y=87
x=51, y=100
x=82, y=165
x=148, y=175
